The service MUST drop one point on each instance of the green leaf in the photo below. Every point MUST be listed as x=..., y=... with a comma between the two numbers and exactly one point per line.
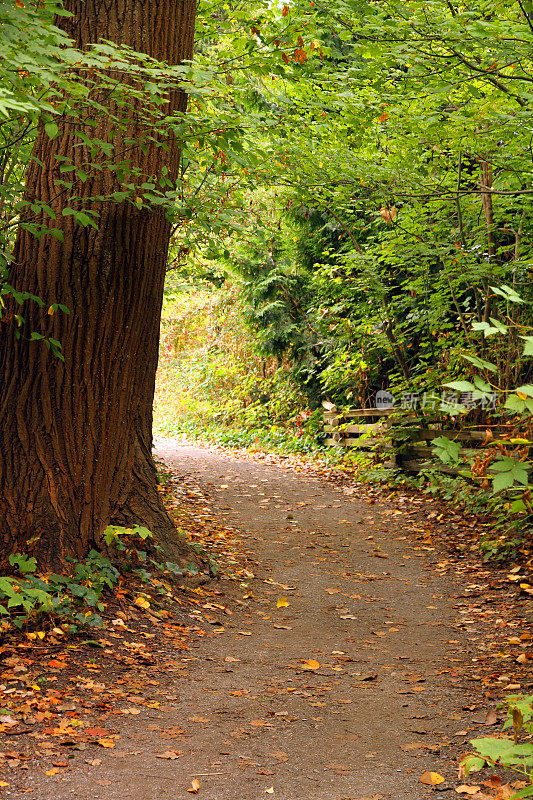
x=51, y=129
x=528, y=348
x=508, y=293
x=460, y=386
x=480, y=362
x=514, y=403
x=502, y=481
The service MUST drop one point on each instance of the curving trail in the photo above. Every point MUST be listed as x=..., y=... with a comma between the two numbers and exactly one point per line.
x=257, y=720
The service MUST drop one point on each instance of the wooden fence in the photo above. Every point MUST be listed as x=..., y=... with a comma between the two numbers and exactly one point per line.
x=407, y=444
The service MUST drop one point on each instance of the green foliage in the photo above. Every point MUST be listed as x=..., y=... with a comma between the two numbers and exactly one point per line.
x=446, y=450
x=75, y=598
x=78, y=598
x=505, y=752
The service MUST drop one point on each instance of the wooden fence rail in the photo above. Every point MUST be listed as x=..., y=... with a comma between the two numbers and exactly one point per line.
x=407, y=444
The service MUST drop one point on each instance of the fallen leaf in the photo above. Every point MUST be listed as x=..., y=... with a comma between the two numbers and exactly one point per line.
x=53, y=771
x=142, y=602
x=495, y=781
x=431, y=778
x=245, y=633
x=282, y=602
x=106, y=742
x=269, y=791
x=197, y=718
x=279, y=755
x=195, y=785
x=170, y=754
x=310, y=664
x=470, y=790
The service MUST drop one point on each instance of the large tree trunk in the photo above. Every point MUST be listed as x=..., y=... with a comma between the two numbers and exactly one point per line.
x=75, y=436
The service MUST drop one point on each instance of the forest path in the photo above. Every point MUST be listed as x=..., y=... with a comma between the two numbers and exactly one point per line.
x=246, y=711
x=377, y=627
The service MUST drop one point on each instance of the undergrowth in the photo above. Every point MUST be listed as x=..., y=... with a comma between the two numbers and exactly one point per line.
x=31, y=600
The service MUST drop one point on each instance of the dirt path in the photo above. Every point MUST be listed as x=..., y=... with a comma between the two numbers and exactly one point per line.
x=252, y=714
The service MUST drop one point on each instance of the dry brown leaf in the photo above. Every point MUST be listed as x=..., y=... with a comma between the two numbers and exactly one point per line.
x=279, y=755
x=195, y=785
x=170, y=754
x=468, y=790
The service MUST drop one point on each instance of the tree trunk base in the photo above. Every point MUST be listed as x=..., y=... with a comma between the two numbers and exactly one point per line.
x=144, y=506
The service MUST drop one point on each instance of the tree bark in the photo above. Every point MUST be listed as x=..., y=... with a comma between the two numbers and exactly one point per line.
x=75, y=436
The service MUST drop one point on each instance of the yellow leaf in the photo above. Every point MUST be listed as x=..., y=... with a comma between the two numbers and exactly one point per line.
x=431, y=778
x=282, y=602
x=35, y=687
x=52, y=771
x=142, y=602
x=522, y=658
x=522, y=396
x=106, y=742
x=195, y=785
x=310, y=664
x=31, y=635
x=41, y=634
x=269, y=791
x=3, y=784
x=51, y=311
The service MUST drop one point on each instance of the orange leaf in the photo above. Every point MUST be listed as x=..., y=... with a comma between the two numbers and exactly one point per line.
x=431, y=778
x=195, y=785
x=52, y=771
x=285, y=11
x=106, y=742
x=310, y=664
